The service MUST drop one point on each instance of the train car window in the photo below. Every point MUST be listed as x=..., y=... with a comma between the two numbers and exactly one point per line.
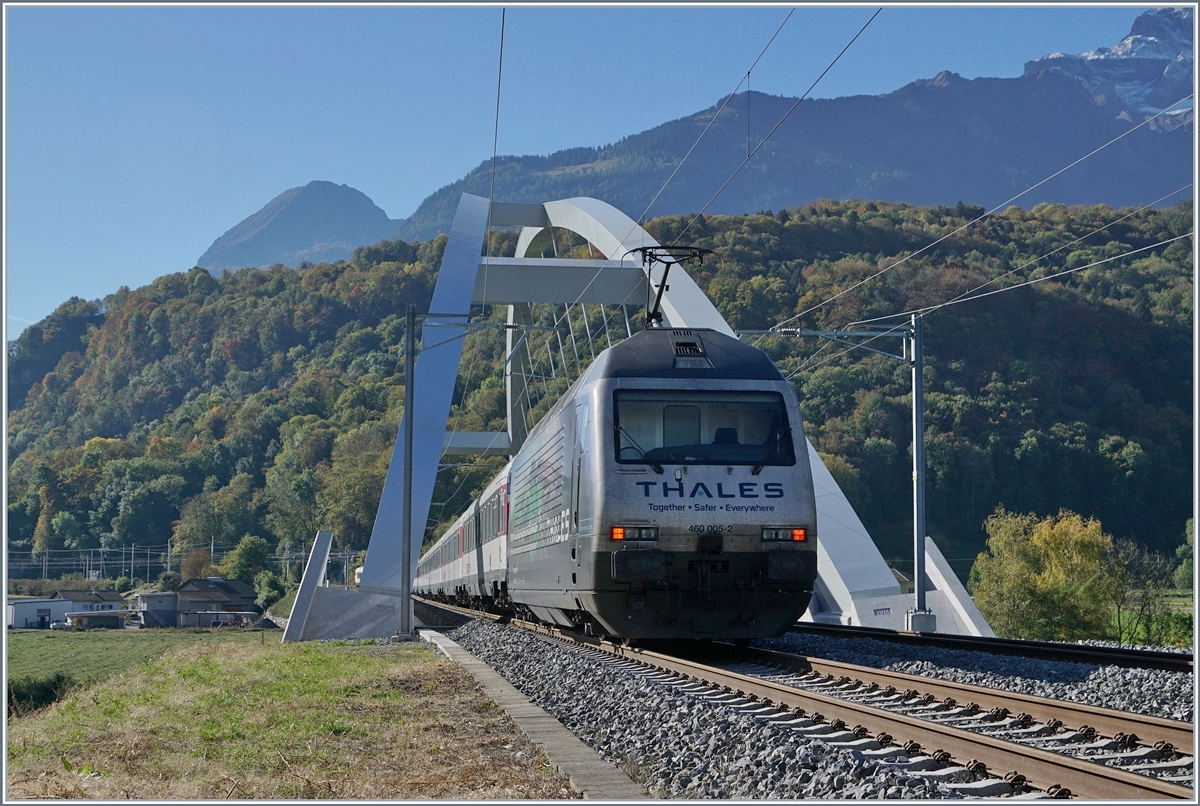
x=581, y=426
x=701, y=427
x=504, y=509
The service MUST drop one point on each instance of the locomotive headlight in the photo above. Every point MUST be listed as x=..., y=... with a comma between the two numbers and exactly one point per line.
x=635, y=533
x=797, y=534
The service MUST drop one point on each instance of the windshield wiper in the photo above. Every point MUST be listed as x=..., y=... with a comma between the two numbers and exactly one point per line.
x=785, y=434
x=622, y=432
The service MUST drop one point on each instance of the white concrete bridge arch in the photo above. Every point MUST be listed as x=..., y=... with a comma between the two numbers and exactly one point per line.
x=854, y=585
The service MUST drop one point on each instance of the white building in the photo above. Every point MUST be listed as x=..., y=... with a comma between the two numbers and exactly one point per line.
x=36, y=614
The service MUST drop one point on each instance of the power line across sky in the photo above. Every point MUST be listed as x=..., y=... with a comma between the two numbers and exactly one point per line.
x=146, y=132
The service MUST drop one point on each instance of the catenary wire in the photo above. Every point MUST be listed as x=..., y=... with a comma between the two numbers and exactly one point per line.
x=981, y=217
x=1061, y=273
x=453, y=425
x=728, y=98
x=786, y=114
x=756, y=149
x=495, y=143
x=609, y=259
x=959, y=300
x=1027, y=264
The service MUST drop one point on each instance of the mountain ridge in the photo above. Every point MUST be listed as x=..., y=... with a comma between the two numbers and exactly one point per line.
x=318, y=222
x=941, y=140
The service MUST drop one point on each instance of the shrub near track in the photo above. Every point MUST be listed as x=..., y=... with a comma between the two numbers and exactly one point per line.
x=244, y=720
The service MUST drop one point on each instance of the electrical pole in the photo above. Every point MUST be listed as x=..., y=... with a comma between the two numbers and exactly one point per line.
x=919, y=618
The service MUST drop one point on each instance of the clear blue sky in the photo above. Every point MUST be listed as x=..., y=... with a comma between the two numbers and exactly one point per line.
x=135, y=136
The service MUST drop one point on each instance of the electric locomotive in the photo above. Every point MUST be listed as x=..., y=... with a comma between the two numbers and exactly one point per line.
x=666, y=495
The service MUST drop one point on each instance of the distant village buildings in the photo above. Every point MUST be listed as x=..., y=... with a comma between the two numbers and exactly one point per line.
x=211, y=602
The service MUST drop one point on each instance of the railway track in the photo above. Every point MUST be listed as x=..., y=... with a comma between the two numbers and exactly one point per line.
x=1043, y=650
x=948, y=730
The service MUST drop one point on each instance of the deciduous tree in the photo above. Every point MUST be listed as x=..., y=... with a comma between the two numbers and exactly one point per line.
x=1044, y=578
x=247, y=559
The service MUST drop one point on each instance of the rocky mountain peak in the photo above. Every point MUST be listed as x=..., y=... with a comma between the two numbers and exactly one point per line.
x=1146, y=72
x=1161, y=33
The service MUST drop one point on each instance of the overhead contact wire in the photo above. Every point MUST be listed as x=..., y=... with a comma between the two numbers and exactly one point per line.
x=960, y=300
x=1027, y=264
x=1062, y=273
x=974, y=221
x=487, y=244
x=760, y=145
x=724, y=103
x=787, y=114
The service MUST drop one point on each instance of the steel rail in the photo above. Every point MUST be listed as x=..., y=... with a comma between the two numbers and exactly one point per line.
x=1041, y=768
x=1107, y=722
x=1046, y=650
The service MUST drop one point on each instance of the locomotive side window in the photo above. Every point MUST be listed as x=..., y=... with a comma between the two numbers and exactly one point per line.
x=697, y=427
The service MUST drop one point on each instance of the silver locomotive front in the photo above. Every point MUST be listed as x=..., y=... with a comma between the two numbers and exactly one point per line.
x=698, y=519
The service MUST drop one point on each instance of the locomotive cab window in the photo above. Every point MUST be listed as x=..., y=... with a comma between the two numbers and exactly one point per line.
x=697, y=427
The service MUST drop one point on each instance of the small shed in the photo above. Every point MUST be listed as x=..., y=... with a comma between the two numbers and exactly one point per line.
x=36, y=614
x=90, y=619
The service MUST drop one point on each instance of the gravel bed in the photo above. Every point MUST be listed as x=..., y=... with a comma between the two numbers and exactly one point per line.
x=1176, y=650
x=678, y=744
x=1153, y=692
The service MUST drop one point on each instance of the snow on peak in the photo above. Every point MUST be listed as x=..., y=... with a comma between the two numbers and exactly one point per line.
x=1145, y=72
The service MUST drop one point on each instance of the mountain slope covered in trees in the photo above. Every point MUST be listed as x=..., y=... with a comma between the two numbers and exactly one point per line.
x=267, y=402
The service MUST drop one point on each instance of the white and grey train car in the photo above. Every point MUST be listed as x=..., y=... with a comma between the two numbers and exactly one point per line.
x=469, y=564
x=667, y=494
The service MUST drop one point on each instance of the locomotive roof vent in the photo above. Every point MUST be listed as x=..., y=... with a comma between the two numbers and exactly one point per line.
x=689, y=351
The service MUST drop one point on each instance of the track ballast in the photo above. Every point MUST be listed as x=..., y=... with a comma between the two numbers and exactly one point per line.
x=943, y=758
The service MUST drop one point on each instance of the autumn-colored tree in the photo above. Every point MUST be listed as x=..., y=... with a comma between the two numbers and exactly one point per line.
x=197, y=565
x=1044, y=578
x=266, y=402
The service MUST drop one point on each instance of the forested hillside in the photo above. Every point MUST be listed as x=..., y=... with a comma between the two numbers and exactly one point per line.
x=266, y=402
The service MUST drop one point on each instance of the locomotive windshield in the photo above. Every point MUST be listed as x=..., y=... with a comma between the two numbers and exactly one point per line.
x=698, y=427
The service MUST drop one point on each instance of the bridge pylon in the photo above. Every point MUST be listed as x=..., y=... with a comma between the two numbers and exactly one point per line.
x=854, y=582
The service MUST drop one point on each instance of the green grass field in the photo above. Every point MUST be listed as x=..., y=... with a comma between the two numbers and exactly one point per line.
x=95, y=655
x=219, y=715
x=45, y=666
